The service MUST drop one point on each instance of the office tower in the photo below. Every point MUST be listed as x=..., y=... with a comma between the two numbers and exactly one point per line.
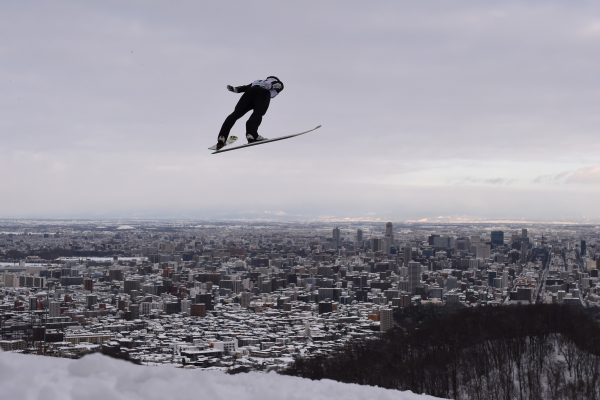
x=482, y=250
x=145, y=308
x=431, y=238
x=386, y=319
x=523, y=233
x=185, y=306
x=245, y=299
x=414, y=275
x=10, y=280
x=359, y=237
x=442, y=242
x=389, y=231
x=377, y=244
x=134, y=310
x=206, y=299
x=407, y=254
x=336, y=237
x=91, y=299
x=497, y=238
x=524, y=249
x=115, y=274
x=387, y=245
x=54, y=309
x=583, y=248
x=463, y=243
x=131, y=284
x=236, y=285
x=33, y=303
x=388, y=240
x=491, y=277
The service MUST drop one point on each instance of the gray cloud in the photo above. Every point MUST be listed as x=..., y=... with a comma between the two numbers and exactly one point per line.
x=588, y=175
x=496, y=181
x=109, y=106
x=552, y=178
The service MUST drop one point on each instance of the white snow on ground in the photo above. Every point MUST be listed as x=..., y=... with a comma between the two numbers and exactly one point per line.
x=97, y=377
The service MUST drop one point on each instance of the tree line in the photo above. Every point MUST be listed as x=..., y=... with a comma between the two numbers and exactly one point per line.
x=484, y=353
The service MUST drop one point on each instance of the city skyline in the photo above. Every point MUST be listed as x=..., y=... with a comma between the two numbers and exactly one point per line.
x=314, y=276
x=281, y=297
x=467, y=111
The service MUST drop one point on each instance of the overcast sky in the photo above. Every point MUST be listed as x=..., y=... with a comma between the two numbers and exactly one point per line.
x=429, y=108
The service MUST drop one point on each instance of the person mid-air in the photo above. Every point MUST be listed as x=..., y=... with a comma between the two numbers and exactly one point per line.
x=256, y=97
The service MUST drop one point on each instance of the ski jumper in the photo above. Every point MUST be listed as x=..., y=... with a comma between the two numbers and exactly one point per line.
x=256, y=97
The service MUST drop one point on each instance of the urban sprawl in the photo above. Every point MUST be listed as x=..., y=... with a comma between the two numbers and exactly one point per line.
x=255, y=295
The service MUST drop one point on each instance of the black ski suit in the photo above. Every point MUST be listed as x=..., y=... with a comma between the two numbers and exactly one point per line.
x=256, y=97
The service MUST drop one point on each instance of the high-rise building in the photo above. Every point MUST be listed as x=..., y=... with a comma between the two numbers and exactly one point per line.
x=583, y=248
x=524, y=249
x=245, y=299
x=54, y=309
x=431, y=239
x=10, y=280
x=145, y=308
x=388, y=240
x=359, y=236
x=91, y=299
x=491, y=277
x=387, y=245
x=131, y=284
x=389, y=231
x=236, y=285
x=206, y=299
x=33, y=303
x=377, y=244
x=414, y=275
x=336, y=237
x=482, y=250
x=442, y=242
x=185, y=306
x=407, y=254
x=115, y=274
x=386, y=319
x=134, y=310
x=462, y=243
x=497, y=238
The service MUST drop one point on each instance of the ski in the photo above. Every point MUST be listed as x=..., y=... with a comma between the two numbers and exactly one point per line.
x=230, y=140
x=265, y=141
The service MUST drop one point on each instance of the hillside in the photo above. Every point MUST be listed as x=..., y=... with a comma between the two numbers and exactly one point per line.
x=522, y=352
x=98, y=377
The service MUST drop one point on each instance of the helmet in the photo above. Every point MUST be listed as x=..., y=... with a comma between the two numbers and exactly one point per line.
x=276, y=84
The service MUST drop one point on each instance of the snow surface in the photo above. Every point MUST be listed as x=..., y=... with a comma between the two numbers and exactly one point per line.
x=97, y=377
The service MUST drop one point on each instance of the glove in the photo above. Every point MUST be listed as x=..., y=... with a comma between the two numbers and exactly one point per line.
x=232, y=89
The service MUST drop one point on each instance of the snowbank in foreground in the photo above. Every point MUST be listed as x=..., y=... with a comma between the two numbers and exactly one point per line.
x=100, y=377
